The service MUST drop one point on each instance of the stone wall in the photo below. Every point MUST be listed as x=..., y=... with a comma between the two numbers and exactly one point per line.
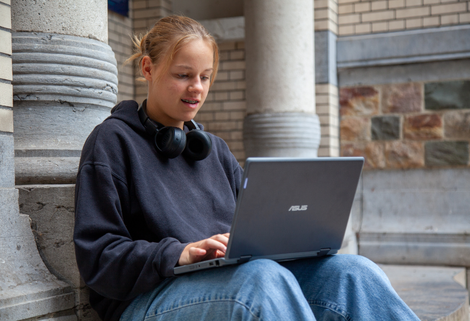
x=362, y=17
x=404, y=106
x=407, y=125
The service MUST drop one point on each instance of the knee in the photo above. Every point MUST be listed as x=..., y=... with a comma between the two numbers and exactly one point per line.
x=265, y=273
x=262, y=267
x=358, y=267
x=361, y=264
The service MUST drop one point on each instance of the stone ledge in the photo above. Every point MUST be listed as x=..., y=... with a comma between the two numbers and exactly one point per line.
x=403, y=47
x=416, y=248
x=226, y=29
x=433, y=293
x=418, y=72
x=33, y=306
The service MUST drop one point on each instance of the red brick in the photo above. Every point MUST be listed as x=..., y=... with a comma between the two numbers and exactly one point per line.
x=353, y=149
x=400, y=154
x=359, y=101
x=423, y=127
x=457, y=125
x=402, y=98
x=355, y=129
x=373, y=153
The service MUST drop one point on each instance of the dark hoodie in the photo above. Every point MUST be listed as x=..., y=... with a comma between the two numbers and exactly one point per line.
x=136, y=210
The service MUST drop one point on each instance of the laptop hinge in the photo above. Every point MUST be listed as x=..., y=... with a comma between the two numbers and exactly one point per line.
x=324, y=251
x=244, y=258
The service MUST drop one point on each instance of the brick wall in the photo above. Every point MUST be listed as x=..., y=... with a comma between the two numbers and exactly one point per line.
x=225, y=106
x=119, y=39
x=326, y=97
x=409, y=125
x=326, y=15
x=361, y=17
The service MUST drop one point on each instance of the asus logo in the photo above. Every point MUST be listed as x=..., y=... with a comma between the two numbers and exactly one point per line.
x=298, y=208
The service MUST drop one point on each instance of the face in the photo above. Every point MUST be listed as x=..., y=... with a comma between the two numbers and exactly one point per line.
x=177, y=95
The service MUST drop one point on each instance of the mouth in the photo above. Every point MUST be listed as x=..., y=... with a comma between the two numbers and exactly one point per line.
x=189, y=101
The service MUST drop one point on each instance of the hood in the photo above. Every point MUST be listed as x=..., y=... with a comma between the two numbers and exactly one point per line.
x=126, y=111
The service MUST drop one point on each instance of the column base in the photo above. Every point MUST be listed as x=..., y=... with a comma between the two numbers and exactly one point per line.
x=28, y=290
x=281, y=135
x=51, y=209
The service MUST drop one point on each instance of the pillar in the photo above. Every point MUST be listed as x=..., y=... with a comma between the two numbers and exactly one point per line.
x=280, y=81
x=27, y=289
x=64, y=84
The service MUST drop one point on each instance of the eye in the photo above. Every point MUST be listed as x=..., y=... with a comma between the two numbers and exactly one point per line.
x=205, y=77
x=182, y=76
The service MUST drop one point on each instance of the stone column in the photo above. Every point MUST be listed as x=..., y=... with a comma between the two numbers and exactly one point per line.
x=27, y=289
x=64, y=84
x=280, y=93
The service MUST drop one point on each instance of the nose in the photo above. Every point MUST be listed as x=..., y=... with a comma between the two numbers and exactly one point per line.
x=196, y=85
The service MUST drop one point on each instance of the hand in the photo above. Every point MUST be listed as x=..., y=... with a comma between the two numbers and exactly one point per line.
x=207, y=249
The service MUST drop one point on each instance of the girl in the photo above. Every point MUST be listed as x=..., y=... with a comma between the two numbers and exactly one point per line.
x=155, y=191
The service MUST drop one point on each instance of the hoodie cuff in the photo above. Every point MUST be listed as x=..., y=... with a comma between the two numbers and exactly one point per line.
x=174, y=249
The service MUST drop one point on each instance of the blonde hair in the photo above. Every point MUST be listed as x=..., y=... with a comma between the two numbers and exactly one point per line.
x=167, y=37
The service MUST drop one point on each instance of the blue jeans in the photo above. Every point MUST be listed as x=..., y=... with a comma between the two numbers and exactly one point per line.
x=337, y=287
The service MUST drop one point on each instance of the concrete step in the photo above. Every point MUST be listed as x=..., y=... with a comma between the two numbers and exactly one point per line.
x=432, y=292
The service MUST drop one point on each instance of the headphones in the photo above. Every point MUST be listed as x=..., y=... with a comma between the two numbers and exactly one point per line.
x=173, y=141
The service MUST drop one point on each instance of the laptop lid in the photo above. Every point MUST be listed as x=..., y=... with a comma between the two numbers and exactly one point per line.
x=290, y=208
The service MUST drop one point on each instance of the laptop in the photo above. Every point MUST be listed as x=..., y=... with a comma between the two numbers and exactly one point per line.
x=289, y=208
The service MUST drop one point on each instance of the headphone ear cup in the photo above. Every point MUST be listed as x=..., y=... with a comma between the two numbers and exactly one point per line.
x=198, y=145
x=171, y=141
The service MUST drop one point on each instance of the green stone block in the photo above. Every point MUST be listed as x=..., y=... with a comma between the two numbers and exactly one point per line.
x=446, y=153
x=385, y=128
x=447, y=95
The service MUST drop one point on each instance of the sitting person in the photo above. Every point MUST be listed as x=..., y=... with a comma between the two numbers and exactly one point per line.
x=145, y=204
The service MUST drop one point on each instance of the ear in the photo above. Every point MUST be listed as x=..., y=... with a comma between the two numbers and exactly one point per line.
x=147, y=68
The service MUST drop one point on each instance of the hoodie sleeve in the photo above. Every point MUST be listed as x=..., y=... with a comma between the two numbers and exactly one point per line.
x=110, y=261
x=238, y=175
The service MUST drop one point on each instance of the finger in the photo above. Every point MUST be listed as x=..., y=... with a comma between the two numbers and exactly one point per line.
x=215, y=244
x=222, y=238
x=219, y=254
x=195, y=251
